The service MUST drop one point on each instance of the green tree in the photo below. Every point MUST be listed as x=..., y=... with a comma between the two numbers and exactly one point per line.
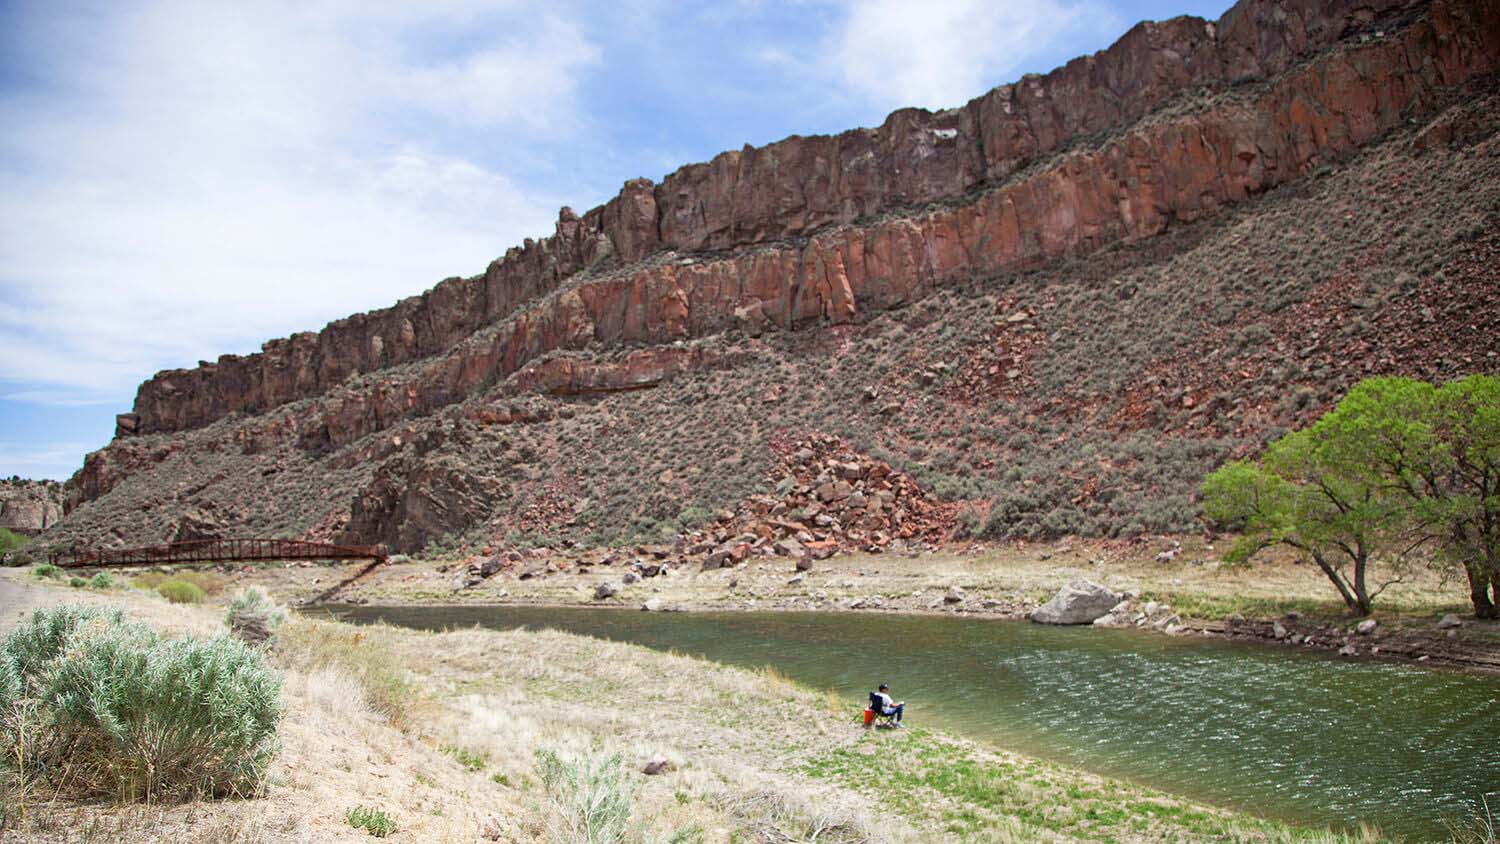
x=1400, y=463
x=1306, y=494
x=1439, y=448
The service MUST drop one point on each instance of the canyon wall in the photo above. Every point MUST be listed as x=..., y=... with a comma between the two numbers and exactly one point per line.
x=1182, y=168
x=606, y=277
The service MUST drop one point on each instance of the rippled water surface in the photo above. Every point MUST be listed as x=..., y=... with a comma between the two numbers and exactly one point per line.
x=1278, y=732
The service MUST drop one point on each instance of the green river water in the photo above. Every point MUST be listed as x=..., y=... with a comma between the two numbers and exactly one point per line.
x=1278, y=732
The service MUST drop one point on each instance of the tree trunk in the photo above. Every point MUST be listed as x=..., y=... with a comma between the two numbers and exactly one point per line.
x=1338, y=582
x=1361, y=592
x=1479, y=584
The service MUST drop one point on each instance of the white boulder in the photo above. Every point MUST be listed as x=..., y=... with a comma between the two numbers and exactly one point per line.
x=1080, y=602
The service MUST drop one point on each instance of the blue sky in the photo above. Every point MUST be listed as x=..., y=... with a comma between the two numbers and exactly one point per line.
x=179, y=180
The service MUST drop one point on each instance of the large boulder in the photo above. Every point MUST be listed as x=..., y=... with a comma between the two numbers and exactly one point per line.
x=1080, y=602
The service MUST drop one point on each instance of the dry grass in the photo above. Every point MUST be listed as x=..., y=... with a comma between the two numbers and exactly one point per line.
x=337, y=751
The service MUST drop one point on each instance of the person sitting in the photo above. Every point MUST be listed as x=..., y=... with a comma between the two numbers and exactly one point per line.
x=880, y=701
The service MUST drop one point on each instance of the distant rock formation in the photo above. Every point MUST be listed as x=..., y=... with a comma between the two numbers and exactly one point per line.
x=30, y=507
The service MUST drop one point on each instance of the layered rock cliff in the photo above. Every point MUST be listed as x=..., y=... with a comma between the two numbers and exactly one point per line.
x=800, y=186
x=1128, y=152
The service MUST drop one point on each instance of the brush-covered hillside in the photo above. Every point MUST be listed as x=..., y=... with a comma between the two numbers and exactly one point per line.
x=1049, y=311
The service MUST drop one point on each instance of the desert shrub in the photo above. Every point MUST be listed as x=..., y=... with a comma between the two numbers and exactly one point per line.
x=11, y=541
x=468, y=759
x=969, y=523
x=95, y=705
x=1006, y=514
x=309, y=645
x=77, y=582
x=180, y=592
x=588, y=793
x=103, y=580
x=372, y=820
x=694, y=516
x=211, y=582
x=47, y=570
x=253, y=616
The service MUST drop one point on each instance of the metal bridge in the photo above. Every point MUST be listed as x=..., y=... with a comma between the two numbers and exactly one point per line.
x=218, y=551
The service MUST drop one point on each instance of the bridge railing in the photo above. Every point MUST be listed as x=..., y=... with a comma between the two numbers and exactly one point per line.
x=217, y=550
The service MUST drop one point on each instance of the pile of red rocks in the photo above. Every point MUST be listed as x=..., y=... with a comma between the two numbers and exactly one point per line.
x=827, y=498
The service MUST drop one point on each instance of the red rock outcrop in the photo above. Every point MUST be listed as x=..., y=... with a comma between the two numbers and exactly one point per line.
x=801, y=186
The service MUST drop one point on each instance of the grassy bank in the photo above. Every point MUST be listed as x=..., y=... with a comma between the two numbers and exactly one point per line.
x=496, y=736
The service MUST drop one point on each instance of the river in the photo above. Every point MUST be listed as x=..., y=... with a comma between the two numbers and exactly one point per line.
x=1278, y=732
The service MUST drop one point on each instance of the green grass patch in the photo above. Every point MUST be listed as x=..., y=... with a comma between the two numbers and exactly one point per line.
x=372, y=820
x=470, y=760
x=1219, y=607
x=180, y=592
x=968, y=792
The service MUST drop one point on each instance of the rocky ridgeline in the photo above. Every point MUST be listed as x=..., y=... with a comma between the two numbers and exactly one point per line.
x=613, y=273
x=828, y=498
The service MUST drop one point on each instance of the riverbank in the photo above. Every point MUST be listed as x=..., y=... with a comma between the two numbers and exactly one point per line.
x=441, y=732
x=1178, y=585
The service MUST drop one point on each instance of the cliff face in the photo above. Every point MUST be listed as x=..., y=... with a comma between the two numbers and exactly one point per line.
x=799, y=186
x=1126, y=152
x=29, y=507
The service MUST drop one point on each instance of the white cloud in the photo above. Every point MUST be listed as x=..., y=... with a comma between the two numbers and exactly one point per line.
x=198, y=177
x=941, y=53
x=55, y=460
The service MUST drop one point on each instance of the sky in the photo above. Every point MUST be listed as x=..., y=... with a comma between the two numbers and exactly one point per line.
x=181, y=180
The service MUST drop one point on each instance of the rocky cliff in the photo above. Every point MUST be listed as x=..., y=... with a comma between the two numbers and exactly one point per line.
x=801, y=186
x=1104, y=166
x=30, y=507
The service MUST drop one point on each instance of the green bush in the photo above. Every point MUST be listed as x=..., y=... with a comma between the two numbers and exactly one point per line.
x=11, y=541
x=77, y=582
x=371, y=820
x=469, y=759
x=47, y=570
x=103, y=580
x=253, y=616
x=589, y=795
x=180, y=592
x=96, y=705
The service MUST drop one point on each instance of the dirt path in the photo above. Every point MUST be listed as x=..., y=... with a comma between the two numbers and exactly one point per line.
x=15, y=600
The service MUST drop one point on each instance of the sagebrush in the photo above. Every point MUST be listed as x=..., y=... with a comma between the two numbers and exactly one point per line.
x=253, y=616
x=588, y=793
x=96, y=705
